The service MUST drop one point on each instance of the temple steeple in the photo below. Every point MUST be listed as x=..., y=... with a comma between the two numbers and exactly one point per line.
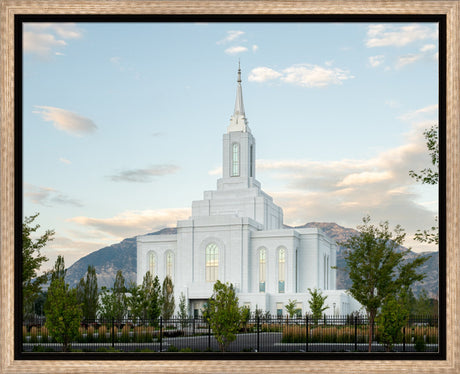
x=238, y=121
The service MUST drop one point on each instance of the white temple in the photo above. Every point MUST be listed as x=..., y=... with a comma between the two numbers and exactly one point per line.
x=236, y=235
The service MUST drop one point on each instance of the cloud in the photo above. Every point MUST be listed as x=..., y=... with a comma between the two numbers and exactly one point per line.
x=41, y=44
x=143, y=175
x=232, y=35
x=305, y=75
x=67, y=121
x=48, y=196
x=376, y=60
x=64, y=160
x=43, y=39
x=71, y=249
x=314, y=76
x=133, y=222
x=428, y=48
x=346, y=190
x=431, y=110
x=263, y=74
x=235, y=50
x=407, y=59
x=255, y=48
x=398, y=36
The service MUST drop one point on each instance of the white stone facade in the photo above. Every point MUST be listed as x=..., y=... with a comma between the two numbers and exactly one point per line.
x=236, y=235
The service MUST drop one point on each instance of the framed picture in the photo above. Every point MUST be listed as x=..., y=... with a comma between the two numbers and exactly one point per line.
x=116, y=119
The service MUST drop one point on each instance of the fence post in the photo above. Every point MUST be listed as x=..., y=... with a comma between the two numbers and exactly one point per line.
x=306, y=333
x=404, y=339
x=258, y=333
x=113, y=333
x=356, y=333
x=209, y=335
x=161, y=334
x=193, y=326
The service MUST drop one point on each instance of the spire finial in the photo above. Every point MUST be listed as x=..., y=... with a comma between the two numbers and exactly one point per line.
x=239, y=72
x=238, y=121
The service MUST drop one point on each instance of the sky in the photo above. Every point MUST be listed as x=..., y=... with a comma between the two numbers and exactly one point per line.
x=123, y=123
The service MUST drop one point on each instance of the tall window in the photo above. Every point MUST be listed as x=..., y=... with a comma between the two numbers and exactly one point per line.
x=235, y=160
x=152, y=263
x=212, y=262
x=262, y=269
x=169, y=264
x=250, y=161
x=281, y=269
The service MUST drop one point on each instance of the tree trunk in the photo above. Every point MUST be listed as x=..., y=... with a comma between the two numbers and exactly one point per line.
x=371, y=329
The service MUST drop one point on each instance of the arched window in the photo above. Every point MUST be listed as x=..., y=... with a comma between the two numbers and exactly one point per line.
x=262, y=269
x=152, y=263
x=281, y=269
x=212, y=262
x=235, y=160
x=169, y=264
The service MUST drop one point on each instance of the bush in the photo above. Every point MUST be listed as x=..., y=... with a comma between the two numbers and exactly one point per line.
x=172, y=348
x=420, y=345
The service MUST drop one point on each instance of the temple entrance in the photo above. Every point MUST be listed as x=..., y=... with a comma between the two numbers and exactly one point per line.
x=197, y=306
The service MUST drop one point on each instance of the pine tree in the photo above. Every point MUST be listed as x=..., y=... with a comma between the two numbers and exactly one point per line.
x=88, y=295
x=63, y=312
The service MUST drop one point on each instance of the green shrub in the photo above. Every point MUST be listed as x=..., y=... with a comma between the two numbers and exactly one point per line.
x=420, y=345
x=172, y=348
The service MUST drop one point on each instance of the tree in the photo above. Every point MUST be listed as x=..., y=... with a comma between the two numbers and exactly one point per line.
x=376, y=268
x=32, y=260
x=167, y=298
x=183, y=314
x=316, y=303
x=88, y=295
x=429, y=176
x=114, y=302
x=62, y=311
x=151, y=290
x=245, y=316
x=391, y=319
x=291, y=308
x=145, y=300
x=224, y=314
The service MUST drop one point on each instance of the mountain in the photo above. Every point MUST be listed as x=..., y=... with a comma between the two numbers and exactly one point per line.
x=123, y=256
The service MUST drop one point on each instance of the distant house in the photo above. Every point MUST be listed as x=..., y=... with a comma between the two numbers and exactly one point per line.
x=236, y=235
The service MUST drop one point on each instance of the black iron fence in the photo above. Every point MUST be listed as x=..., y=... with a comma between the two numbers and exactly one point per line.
x=301, y=334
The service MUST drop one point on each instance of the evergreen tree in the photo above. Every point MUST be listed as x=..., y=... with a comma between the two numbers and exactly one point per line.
x=168, y=302
x=152, y=295
x=32, y=260
x=88, y=295
x=63, y=312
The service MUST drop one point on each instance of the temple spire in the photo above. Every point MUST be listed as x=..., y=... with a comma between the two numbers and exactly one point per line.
x=238, y=121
